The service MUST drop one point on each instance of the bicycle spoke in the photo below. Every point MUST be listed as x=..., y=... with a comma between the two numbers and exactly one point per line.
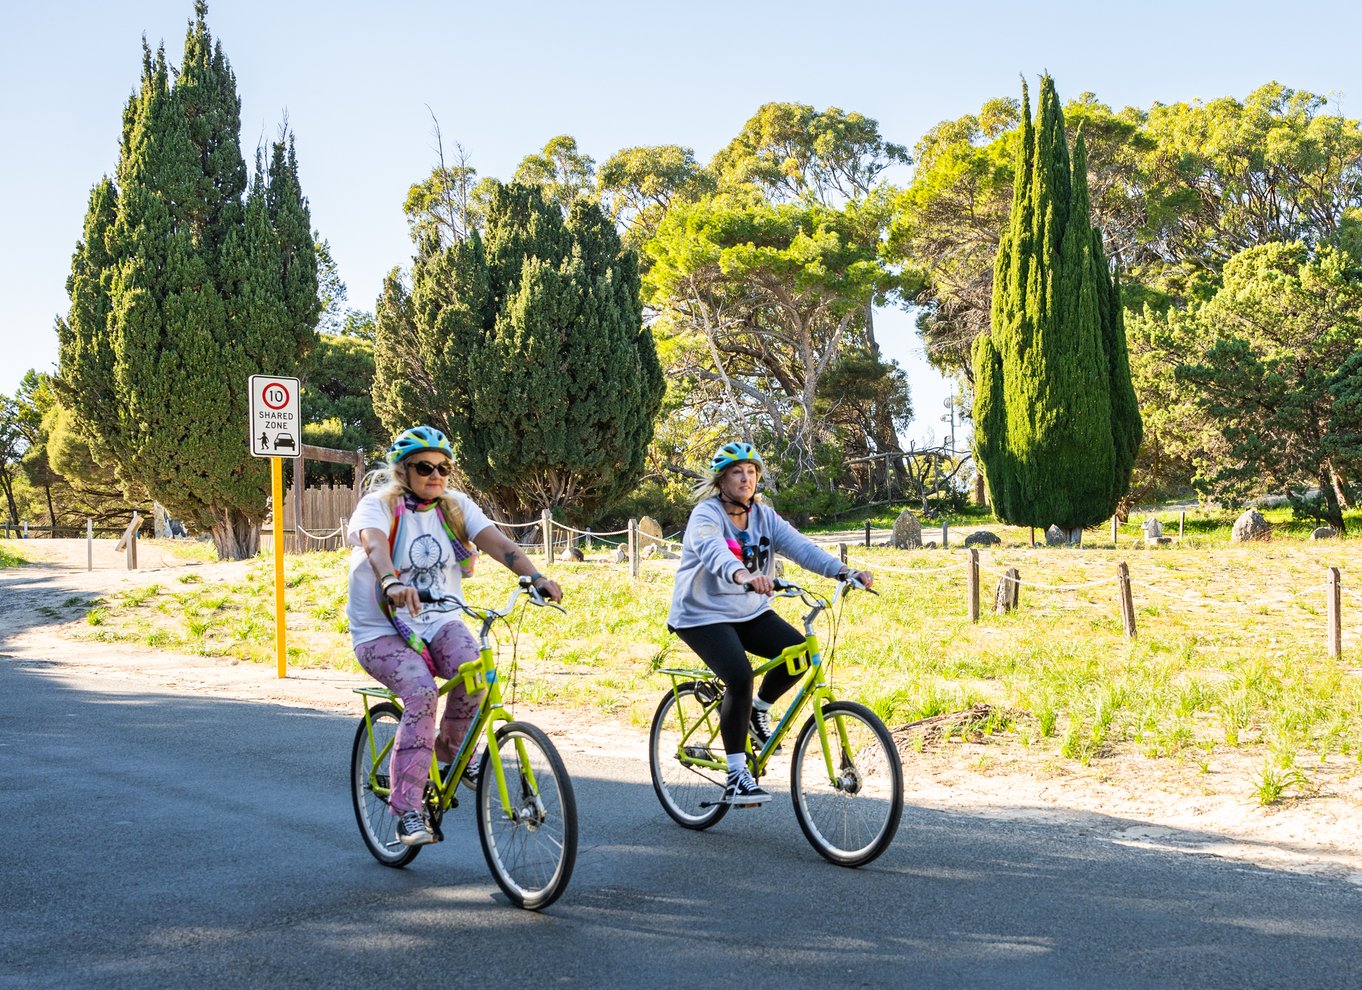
x=850, y=819
x=531, y=851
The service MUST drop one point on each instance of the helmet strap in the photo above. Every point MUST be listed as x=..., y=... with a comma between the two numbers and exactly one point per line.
x=745, y=506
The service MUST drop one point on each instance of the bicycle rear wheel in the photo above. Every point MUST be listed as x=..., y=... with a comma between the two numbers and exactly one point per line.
x=681, y=786
x=377, y=824
x=531, y=851
x=852, y=818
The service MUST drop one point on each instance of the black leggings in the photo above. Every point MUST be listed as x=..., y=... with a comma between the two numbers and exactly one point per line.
x=724, y=646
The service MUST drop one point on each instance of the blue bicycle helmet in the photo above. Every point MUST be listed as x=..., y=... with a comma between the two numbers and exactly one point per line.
x=735, y=452
x=417, y=439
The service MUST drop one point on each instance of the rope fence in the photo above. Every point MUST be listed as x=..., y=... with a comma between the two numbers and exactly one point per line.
x=634, y=543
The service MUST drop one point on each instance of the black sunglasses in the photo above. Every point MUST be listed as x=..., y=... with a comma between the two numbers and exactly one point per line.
x=426, y=468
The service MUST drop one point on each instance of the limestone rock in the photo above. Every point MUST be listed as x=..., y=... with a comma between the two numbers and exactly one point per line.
x=983, y=538
x=1251, y=526
x=1324, y=533
x=907, y=532
x=649, y=533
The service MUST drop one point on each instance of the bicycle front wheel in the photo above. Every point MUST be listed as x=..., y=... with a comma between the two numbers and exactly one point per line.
x=377, y=824
x=682, y=732
x=531, y=851
x=850, y=816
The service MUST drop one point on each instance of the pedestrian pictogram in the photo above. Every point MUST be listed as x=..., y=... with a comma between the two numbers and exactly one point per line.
x=276, y=421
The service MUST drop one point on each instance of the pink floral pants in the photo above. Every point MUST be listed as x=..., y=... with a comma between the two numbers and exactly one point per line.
x=399, y=668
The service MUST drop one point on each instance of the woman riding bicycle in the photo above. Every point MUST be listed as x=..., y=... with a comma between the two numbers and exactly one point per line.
x=731, y=541
x=412, y=533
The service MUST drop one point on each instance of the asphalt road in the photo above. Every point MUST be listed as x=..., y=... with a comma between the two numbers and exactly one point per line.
x=154, y=840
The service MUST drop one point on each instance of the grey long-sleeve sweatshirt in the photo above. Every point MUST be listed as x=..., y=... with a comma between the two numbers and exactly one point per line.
x=710, y=556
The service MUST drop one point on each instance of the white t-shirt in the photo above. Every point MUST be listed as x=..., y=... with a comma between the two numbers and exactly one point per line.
x=423, y=556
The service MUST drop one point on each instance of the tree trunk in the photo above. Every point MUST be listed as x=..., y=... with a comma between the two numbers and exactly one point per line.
x=1333, y=515
x=51, y=512
x=237, y=536
x=8, y=485
x=1340, y=485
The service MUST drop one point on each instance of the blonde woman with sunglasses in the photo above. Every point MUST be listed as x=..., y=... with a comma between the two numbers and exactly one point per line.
x=413, y=534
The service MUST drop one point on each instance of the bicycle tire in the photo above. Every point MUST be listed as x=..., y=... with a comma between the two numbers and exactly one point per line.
x=377, y=824
x=532, y=852
x=681, y=787
x=852, y=821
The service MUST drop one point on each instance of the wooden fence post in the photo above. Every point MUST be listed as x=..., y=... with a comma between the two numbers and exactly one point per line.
x=867, y=532
x=1127, y=602
x=972, y=585
x=1182, y=519
x=129, y=540
x=842, y=552
x=633, y=548
x=1113, y=531
x=89, y=544
x=945, y=534
x=1333, y=612
x=546, y=524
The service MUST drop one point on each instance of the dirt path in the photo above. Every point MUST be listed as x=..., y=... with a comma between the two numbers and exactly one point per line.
x=1165, y=804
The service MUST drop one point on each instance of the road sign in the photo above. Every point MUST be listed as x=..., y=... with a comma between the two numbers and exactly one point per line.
x=276, y=420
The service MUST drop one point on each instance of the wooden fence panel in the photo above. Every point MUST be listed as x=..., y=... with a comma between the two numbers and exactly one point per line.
x=324, y=510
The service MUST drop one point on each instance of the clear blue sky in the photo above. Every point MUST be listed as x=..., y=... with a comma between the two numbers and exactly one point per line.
x=355, y=79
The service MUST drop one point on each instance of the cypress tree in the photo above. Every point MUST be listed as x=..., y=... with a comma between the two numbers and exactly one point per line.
x=1056, y=425
x=197, y=289
x=530, y=350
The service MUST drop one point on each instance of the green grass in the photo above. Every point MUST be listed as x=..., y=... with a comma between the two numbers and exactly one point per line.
x=8, y=557
x=1229, y=658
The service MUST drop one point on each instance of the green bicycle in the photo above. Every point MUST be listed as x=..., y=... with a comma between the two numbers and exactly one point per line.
x=526, y=810
x=846, y=777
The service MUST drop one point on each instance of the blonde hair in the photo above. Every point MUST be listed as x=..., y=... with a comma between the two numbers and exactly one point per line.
x=389, y=484
x=709, y=487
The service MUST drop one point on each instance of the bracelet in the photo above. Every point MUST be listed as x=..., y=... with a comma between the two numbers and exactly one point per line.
x=388, y=580
x=536, y=576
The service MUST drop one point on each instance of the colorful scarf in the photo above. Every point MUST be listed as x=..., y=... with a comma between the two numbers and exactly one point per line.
x=462, y=553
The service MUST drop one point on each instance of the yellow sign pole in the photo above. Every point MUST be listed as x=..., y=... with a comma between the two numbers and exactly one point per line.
x=277, y=483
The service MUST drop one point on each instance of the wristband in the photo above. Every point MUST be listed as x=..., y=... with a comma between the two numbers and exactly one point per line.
x=535, y=577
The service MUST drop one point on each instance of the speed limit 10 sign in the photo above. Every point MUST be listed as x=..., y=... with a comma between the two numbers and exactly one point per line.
x=276, y=422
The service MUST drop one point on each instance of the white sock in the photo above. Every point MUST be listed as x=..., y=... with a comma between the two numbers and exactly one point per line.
x=760, y=706
x=736, y=762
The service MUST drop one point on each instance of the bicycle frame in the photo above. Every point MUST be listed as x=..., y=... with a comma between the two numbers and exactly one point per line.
x=476, y=675
x=812, y=688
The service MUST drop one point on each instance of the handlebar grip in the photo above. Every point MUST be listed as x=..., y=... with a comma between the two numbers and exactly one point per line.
x=777, y=584
x=426, y=596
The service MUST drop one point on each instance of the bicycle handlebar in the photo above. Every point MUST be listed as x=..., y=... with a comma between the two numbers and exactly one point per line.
x=525, y=586
x=788, y=589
